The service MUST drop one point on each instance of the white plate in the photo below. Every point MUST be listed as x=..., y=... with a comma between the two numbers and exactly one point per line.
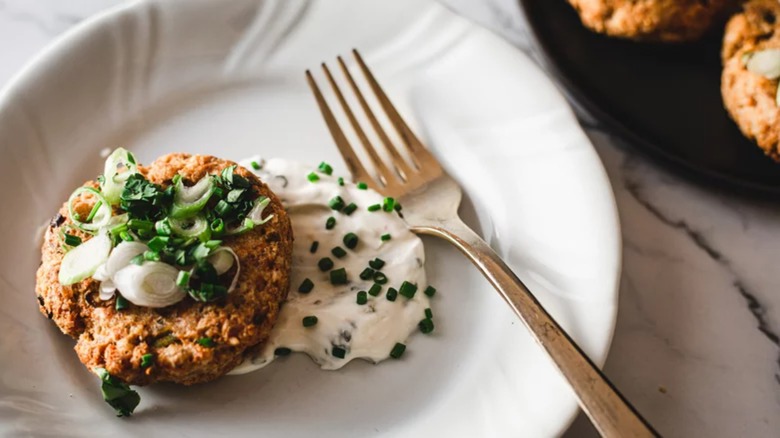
x=226, y=78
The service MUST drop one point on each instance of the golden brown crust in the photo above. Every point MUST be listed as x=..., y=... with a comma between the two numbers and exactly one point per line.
x=653, y=20
x=750, y=98
x=116, y=340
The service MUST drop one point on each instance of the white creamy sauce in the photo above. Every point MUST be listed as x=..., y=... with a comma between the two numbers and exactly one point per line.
x=367, y=331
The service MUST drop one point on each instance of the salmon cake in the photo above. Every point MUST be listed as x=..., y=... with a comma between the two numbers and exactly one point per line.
x=654, y=20
x=168, y=272
x=751, y=66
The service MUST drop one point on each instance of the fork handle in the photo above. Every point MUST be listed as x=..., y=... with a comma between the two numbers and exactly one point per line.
x=610, y=413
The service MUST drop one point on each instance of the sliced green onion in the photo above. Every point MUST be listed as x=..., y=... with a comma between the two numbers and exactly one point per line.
x=72, y=240
x=121, y=303
x=309, y=321
x=138, y=260
x=430, y=291
x=349, y=209
x=407, y=289
x=350, y=240
x=325, y=168
x=256, y=165
x=338, y=276
x=374, y=207
x=338, y=252
x=158, y=243
x=306, y=286
x=152, y=256
x=367, y=273
x=206, y=342
x=380, y=278
x=398, y=350
x=282, y=351
x=217, y=226
x=375, y=290
x=386, y=237
x=330, y=223
x=391, y=295
x=118, y=167
x=341, y=181
x=377, y=263
x=336, y=203
x=325, y=264
x=223, y=208
x=362, y=297
x=183, y=279
x=256, y=214
x=147, y=360
x=314, y=246
x=82, y=261
x=426, y=325
x=196, y=226
x=338, y=352
x=388, y=204
x=97, y=218
x=188, y=201
x=362, y=186
x=429, y=313
x=140, y=225
x=163, y=227
x=124, y=235
x=313, y=177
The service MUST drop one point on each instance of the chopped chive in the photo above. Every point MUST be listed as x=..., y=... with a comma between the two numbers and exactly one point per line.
x=124, y=235
x=183, y=279
x=380, y=277
x=117, y=229
x=139, y=224
x=137, y=260
x=121, y=303
x=338, y=352
x=361, y=185
x=306, y=286
x=163, y=227
x=397, y=207
x=375, y=289
x=341, y=181
x=391, y=294
x=223, y=208
x=374, y=207
x=146, y=360
x=350, y=240
x=330, y=223
x=386, y=237
x=217, y=226
x=398, y=350
x=407, y=289
x=388, y=204
x=255, y=165
x=282, y=351
x=426, y=325
x=313, y=177
x=349, y=209
x=175, y=180
x=325, y=264
x=314, y=246
x=206, y=342
x=151, y=256
x=338, y=252
x=336, y=203
x=430, y=291
x=429, y=313
x=362, y=297
x=309, y=321
x=94, y=211
x=72, y=240
x=338, y=276
x=377, y=263
x=367, y=274
x=325, y=168
x=158, y=243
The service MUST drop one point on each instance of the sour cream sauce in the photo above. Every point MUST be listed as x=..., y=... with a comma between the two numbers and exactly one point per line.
x=368, y=331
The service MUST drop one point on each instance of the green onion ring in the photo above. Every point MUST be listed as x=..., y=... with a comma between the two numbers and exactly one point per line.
x=188, y=201
x=100, y=219
x=191, y=227
x=114, y=181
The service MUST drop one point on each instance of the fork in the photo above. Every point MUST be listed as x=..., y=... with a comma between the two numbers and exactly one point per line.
x=431, y=199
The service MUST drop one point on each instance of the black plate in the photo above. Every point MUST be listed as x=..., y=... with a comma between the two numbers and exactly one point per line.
x=663, y=99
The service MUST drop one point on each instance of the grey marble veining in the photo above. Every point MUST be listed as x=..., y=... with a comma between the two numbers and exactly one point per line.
x=697, y=343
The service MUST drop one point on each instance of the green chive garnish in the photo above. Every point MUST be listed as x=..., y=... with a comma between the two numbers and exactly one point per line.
x=336, y=203
x=72, y=240
x=350, y=240
x=152, y=256
x=306, y=286
x=330, y=223
x=325, y=168
x=121, y=303
x=223, y=208
x=338, y=352
x=94, y=211
x=377, y=263
x=398, y=350
x=361, y=185
x=313, y=177
x=139, y=224
x=217, y=226
x=183, y=279
x=391, y=294
x=138, y=260
x=429, y=313
x=206, y=342
x=163, y=227
x=338, y=252
x=255, y=165
x=325, y=264
x=124, y=235
x=407, y=289
x=175, y=180
x=309, y=321
x=362, y=297
x=367, y=274
x=386, y=237
x=146, y=360
x=282, y=351
x=380, y=277
x=374, y=207
x=314, y=246
x=426, y=325
x=338, y=276
x=158, y=243
x=375, y=289
x=430, y=291
x=388, y=204
x=349, y=209
x=341, y=181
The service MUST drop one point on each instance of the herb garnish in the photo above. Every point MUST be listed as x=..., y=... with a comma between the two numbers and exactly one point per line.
x=117, y=394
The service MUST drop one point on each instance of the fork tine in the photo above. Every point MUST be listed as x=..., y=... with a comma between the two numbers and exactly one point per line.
x=401, y=167
x=354, y=166
x=415, y=146
x=376, y=160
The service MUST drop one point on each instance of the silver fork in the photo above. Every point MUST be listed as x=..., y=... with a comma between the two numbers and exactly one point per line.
x=431, y=199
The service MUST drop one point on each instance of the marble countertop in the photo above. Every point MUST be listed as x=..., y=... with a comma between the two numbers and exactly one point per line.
x=697, y=345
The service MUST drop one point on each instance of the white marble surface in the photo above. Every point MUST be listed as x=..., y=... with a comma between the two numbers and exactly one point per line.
x=696, y=347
